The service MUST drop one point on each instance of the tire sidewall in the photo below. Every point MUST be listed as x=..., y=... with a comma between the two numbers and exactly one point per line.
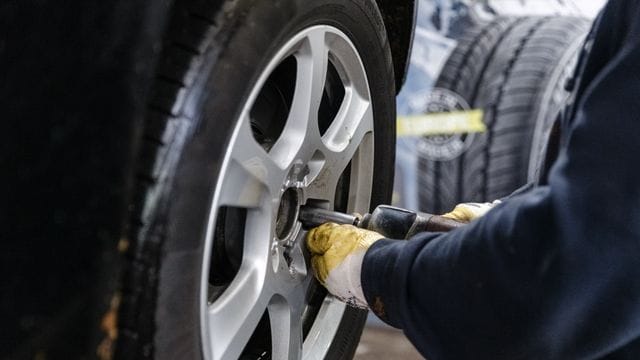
x=250, y=35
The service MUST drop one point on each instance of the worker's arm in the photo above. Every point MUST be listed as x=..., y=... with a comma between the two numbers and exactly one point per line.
x=551, y=274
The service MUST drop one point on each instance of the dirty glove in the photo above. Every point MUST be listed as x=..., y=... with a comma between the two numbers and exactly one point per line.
x=337, y=253
x=466, y=212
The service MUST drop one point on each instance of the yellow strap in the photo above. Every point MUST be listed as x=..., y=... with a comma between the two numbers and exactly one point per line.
x=446, y=123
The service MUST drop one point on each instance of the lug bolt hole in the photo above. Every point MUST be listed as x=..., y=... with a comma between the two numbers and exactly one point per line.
x=287, y=213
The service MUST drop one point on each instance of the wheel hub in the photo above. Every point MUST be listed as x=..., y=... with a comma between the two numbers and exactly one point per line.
x=287, y=213
x=287, y=244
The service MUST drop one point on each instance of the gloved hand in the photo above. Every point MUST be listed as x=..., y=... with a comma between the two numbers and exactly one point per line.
x=337, y=253
x=466, y=212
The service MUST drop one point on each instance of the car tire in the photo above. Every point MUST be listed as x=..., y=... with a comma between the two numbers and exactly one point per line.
x=461, y=74
x=187, y=252
x=514, y=70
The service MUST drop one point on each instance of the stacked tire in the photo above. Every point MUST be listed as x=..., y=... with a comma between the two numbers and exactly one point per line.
x=514, y=69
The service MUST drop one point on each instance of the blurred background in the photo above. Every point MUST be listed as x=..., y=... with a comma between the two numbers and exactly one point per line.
x=510, y=59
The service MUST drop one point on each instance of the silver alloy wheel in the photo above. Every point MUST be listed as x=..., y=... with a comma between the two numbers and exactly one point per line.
x=302, y=165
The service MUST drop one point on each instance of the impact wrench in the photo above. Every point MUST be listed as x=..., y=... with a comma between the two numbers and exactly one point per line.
x=391, y=222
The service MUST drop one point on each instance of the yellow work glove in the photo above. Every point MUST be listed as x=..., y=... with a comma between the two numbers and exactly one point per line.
x=337, y=252
x=466, y=212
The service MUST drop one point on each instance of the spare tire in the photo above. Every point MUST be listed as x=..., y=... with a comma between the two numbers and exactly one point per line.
x=513, y=69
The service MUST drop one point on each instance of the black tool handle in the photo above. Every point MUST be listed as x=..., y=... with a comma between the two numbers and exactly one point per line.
x=433, y=223
x=397, y=223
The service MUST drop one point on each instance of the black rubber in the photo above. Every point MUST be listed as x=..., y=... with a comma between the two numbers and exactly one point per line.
x=212, y=53
x=506, y=68
x=437, y=180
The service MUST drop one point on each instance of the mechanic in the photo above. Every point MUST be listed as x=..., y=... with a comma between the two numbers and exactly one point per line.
x=552, y=273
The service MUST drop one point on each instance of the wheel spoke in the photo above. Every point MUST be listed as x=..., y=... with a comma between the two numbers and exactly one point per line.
x=351, y=129
x=235, y=315
x=251, y=172
x=332, y=310
x=286, y=327
x=319, y=57
x=302, y=122
x=322, y=186
x=347, y=131
x=259, y=231
x=360, y=187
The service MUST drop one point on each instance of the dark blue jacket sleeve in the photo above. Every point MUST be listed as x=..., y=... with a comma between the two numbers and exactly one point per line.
x=550, y=274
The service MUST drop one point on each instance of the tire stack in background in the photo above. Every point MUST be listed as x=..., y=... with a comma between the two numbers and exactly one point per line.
x=515, y=70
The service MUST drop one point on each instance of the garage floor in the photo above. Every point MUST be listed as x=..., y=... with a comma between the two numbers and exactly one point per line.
x=379, y=341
